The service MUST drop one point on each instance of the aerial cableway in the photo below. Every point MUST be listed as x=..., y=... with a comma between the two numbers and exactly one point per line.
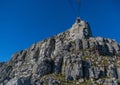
x=75, y=5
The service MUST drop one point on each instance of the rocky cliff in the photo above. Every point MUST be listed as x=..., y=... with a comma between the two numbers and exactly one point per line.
x=73, y=57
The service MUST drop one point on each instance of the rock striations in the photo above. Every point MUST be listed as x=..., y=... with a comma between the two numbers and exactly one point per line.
x=73, y=57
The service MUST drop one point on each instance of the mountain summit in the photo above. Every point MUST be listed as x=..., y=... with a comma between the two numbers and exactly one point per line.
x=73, y=57
x=80, y=30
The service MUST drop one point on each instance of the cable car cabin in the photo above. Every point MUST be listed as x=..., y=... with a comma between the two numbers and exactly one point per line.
x=78, y=20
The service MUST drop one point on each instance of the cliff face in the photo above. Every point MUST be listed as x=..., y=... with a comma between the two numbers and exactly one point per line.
x=72, y=55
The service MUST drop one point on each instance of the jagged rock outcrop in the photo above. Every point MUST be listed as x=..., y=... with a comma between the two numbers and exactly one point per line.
x=72, y=55
x=80, y=30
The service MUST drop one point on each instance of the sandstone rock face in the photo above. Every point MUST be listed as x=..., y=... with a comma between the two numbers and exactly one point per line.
x=80, y=29
x=72, y=55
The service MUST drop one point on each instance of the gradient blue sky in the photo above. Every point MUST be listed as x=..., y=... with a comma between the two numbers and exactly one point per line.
x=24, y=22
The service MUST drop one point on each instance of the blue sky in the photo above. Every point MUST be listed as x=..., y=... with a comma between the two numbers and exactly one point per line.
x=24, y=22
